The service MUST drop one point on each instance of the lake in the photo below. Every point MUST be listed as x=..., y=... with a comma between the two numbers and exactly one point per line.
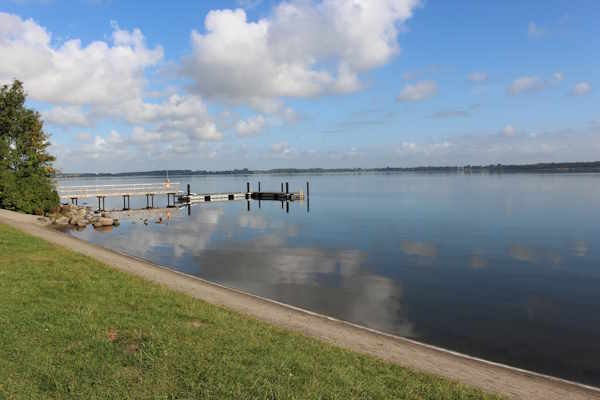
x=503, y=267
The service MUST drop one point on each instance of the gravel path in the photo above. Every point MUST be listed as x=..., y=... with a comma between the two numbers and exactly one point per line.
x=491, y=377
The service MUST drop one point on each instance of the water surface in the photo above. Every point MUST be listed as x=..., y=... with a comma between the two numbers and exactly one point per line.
x=504, y=267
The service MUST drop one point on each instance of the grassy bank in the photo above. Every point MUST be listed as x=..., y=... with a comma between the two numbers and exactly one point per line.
x=73, y=328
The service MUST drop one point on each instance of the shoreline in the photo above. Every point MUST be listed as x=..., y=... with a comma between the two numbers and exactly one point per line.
x=488, y=376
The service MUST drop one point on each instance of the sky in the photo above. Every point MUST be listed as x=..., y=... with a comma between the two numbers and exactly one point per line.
x=215, y=85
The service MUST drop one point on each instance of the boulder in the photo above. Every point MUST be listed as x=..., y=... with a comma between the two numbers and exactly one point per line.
x=62, y=221
x=116, y=222
x=105, y=221
x=82, y=223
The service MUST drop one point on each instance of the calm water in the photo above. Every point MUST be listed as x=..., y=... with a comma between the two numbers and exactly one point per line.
x=501, y=267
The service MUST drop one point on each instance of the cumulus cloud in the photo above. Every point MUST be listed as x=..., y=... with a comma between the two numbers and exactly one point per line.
x=302, y=49
x=67, y=116
x=526, y=84
x=477, y=77
x=558, y=77
x=99, y=73
x=581, y=88
x=282, y=149
x=419, y=91
x=250, y=127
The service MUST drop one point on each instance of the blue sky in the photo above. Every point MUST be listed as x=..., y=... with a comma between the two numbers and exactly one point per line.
x=330, y=83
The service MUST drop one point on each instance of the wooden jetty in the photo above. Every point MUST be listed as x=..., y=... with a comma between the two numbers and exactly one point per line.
x=208, y=197
x=175, y=196
x=101, y=192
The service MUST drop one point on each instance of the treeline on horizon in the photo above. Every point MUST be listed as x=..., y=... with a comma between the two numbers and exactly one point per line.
x=492, y=168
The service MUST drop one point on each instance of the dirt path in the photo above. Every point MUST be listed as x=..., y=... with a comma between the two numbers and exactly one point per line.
x=488, y=376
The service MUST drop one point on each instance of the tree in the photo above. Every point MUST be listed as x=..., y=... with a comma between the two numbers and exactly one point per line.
x=25, y=165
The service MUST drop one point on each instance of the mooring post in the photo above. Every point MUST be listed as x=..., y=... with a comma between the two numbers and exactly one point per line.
x=124, y=208
x=307, y=190
x=287, y=188
x=103, y=203
x=281, y=189
x=147, y=200
x=99, y=203
x=247, y=187
x=258, y=186
x=153, y=200
x=189, y=192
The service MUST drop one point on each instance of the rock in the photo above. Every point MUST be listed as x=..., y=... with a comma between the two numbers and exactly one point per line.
x=145, y=222
x=82, y=223
x=116, y=222
x=62, y=221
x=102, y=221
x=74, y=220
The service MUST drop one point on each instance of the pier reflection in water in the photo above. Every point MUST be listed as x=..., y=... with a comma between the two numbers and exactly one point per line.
x=500, y=267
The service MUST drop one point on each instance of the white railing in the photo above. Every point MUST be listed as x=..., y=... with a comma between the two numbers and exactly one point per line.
x=131, y=189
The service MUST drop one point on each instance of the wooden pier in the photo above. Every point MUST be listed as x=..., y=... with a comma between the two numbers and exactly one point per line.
x=175, y=196
x=248, y=195
x=101, y=192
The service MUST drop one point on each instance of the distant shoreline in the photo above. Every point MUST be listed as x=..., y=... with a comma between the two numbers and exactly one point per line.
x=550, y=168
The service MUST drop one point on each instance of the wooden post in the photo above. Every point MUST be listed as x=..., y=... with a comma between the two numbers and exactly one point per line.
x=287, y=188
x=147, y=200
x=281, y=189
x=188, y=190
x=153, y=200
x=247, y=187
x=307, y=190
x=99, y=203
x=124, y=208
x=258, y=186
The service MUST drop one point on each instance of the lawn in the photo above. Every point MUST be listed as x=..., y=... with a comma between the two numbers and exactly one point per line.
x=71, y=327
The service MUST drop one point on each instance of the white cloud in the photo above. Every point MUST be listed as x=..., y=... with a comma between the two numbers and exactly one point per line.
x=581, y=88
x=83, y=137
x=526, y=84
x=282, y=149
x=302, y=49
x=99, y=73
x=558, y=76
x=477, y=77
x=534, y=31
x=419, y=91
x=67, y=116
x=140, y=136
x=509, y=130
x=250, y=127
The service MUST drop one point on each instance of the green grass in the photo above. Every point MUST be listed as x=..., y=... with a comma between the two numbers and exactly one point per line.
x=71, y=327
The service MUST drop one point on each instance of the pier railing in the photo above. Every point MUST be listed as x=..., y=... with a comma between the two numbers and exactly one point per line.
x=132, y=189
